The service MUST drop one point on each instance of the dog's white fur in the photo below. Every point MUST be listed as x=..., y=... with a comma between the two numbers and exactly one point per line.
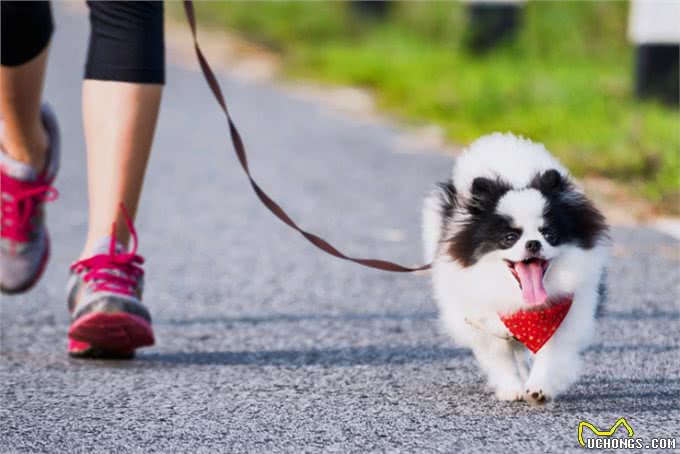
x=470, y=298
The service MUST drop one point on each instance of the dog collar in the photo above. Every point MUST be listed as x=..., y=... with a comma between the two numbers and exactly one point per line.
x=534, y=328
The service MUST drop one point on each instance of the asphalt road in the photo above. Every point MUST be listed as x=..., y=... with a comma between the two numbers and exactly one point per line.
x=266, y=345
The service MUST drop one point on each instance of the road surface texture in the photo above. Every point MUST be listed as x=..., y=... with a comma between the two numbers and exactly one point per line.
x=265, y=344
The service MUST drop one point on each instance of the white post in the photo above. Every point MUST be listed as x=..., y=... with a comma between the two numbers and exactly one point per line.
x=654, y=29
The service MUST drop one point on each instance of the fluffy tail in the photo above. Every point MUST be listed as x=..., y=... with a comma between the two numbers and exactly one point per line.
x=438, y=207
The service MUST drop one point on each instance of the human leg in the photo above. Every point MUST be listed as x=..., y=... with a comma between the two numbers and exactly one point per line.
x=29, y=144
x=121, y=97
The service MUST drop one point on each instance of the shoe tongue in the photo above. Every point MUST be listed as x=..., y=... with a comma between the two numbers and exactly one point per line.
x=103, y=245
x=531, y=278
x=17, y=169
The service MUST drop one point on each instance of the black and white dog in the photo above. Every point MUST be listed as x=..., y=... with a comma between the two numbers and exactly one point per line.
x=511, y=231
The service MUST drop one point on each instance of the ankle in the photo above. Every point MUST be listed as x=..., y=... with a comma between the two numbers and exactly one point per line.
x=96, y=244
x=31, y=150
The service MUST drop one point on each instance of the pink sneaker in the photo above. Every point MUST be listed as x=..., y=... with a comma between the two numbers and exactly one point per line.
x=24, y=241
x=108, y=319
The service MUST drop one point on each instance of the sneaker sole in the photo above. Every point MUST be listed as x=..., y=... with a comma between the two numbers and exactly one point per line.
x=77, y=349
x=41, y=269
x=109, y=335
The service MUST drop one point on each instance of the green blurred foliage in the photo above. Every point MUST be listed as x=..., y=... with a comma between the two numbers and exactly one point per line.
x=566, y=80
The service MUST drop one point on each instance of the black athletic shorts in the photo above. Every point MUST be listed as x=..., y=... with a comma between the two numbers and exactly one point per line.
x=126, y=38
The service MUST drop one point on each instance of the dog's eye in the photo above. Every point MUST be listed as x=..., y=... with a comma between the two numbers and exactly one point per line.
x=509, y=239
x=549, y=235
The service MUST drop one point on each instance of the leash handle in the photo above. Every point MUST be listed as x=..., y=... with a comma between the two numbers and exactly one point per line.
x=267, y=201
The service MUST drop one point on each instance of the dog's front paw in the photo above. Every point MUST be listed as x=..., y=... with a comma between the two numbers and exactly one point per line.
x=536, y=396
x=509, y=393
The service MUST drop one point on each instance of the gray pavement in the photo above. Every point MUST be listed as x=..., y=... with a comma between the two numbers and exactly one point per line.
x=266, y=345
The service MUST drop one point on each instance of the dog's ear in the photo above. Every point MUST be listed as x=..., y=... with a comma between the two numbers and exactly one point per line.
x=482, y=187
x=485, y=192
x=551, y=182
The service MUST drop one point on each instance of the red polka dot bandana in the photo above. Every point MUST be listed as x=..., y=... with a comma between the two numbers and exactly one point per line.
x=534, y=328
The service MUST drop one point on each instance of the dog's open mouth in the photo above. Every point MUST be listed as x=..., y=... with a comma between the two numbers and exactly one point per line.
x=529, y=274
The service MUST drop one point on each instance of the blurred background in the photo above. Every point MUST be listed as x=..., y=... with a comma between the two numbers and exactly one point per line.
x=597, y=82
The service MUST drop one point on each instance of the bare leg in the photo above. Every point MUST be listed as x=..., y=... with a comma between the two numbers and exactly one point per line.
x=24, y=137
x=120, y=119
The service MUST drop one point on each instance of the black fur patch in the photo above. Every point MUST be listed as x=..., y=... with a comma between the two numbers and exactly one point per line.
x=447, y=200
x=485, y=193
x=569, y=216
x=484, y=229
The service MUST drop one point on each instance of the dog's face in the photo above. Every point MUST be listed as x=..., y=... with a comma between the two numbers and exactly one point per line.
x=523, y=232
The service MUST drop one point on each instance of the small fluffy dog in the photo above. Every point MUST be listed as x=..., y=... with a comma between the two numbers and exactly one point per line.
x=511, y=231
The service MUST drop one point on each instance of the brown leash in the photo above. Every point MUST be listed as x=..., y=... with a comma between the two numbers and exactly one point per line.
x=267, y=201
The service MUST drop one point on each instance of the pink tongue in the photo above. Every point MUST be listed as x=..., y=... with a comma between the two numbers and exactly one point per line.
x=531, y=276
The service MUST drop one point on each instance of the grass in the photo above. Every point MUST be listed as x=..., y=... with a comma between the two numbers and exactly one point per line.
x=566, y=80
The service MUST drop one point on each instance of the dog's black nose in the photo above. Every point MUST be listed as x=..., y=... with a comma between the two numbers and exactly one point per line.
x=533, y=246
